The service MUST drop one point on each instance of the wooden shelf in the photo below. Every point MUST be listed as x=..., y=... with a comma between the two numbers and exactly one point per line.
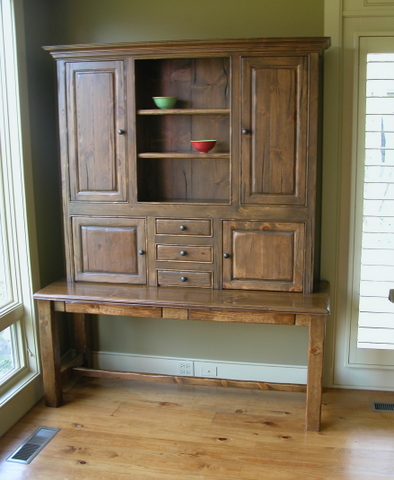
x=184, y=155
x=184, y=111
x=188, y=201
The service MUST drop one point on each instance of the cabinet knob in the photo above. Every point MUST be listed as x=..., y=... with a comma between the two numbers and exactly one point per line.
x=182, y=227
x=120, y=131
x=183, y=279
x=245, y=131
x=182, y=252
x=226, y=255
x=141, y=252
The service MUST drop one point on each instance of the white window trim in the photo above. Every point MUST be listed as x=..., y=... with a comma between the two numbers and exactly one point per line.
x=15, y=171
x=360, y=358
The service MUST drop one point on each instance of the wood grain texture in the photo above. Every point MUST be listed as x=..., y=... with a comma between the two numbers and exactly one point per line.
x=124, y=159
x=275, y=45
x=244, y=317
x=112, y=430
x=50, y=353
x=82, y=336
x=315, y=373
x=113, y=309
x=210, y=382
x=232, y=310
x=317, y=303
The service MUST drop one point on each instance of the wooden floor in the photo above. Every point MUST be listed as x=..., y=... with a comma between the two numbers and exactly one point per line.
x=115, y=430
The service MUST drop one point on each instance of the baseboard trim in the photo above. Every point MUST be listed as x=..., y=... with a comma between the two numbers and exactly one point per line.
x=242, y=371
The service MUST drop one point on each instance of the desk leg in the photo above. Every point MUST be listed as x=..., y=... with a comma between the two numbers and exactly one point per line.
x=315, y=372
x=50, y=353
x=82, y=336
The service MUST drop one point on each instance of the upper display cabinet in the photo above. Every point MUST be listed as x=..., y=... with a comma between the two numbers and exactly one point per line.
x=169, y=169
x=142, y=204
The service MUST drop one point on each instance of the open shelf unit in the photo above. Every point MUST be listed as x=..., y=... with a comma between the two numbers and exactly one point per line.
x=168, y=168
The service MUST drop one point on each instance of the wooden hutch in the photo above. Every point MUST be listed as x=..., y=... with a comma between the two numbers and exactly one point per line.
x=154, y=228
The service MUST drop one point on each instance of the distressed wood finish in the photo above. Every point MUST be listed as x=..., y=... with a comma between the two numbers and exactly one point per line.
x=263, y=255
x=50, y=353
x=278, y=308
x=96, y=147
x=317, y=303
x=164, y=231
x=315, y=373
x=108, y=249
x=124, y=160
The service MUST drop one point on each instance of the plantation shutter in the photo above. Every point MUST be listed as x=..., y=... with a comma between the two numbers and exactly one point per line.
x=376, y=274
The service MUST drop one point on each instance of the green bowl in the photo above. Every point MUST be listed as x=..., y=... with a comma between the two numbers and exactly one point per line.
x=165, y=102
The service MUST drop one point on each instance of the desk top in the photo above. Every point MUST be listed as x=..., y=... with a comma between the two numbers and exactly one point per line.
x=317, y=303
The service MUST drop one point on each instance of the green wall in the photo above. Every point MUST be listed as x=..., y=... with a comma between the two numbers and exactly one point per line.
x=103, y=21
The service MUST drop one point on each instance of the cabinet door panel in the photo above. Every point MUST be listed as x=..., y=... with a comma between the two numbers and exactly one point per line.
x=96, y=111
x=108, y=250
x=275, y=115
x=263, y=255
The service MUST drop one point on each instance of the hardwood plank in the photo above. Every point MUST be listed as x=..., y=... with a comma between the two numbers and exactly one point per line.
x=113, y=430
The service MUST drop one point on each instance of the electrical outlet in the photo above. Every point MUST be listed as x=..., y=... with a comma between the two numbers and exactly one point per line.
x=185, y=368
x=208, y=370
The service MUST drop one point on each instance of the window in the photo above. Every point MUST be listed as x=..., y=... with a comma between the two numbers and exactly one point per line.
x=18, y=349
x=375, y=193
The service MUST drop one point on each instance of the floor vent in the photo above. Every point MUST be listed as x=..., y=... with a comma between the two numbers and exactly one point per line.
x=382, y=407
x=33, y=445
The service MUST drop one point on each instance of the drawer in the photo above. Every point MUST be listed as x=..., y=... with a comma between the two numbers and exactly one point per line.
x=184, y=278
x=175, y=226
x=185, y=253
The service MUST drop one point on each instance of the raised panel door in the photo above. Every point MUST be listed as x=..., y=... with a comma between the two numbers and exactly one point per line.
x=263, y=255
x=96, y=122
x=274, y=145
x=109, y=249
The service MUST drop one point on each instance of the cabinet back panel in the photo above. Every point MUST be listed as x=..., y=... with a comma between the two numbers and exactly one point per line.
x=174, y=179
x=173, y=133
x=197, y=82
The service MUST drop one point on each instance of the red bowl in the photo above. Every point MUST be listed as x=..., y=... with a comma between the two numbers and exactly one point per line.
x=203, y=146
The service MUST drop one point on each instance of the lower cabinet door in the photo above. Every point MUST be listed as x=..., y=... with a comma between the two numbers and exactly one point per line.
x=263, y=255
x=109, y=249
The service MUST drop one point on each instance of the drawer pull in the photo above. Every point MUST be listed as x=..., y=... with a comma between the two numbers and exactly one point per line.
x=141, y=252
x=121, y=131
x=182, y=227
x=226, y=255
x=183, y=279
x=182, y=252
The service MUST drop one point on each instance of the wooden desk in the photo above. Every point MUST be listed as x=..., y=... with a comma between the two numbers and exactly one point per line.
x=277, y=308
